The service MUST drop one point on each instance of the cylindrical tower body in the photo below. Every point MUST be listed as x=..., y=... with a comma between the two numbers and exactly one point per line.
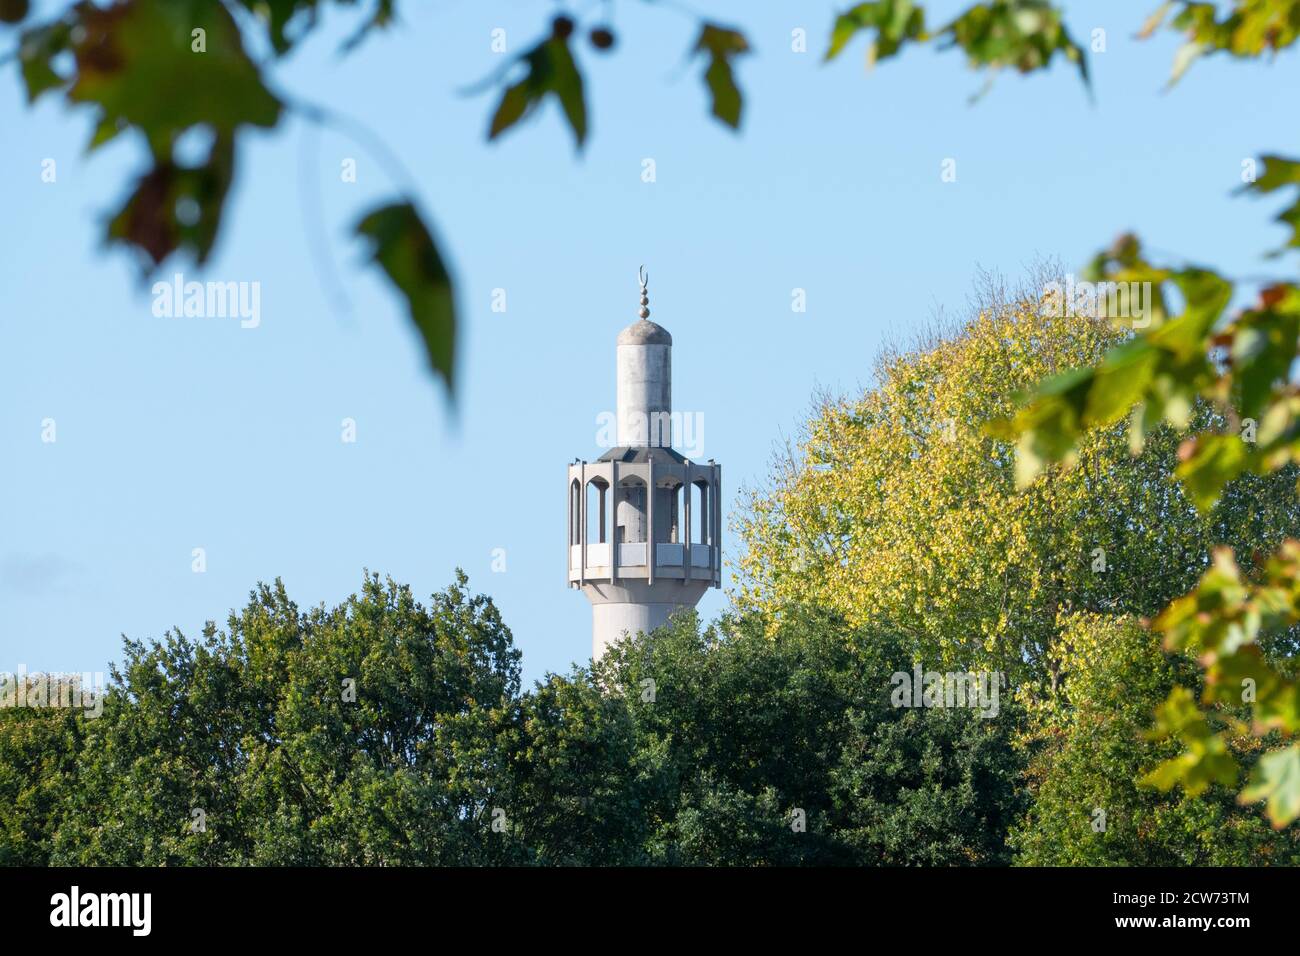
x=645, y=523
x=645, y=386
x=635, y=608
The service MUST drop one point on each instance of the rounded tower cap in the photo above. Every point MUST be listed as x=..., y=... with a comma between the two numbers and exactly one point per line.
x=645, y=332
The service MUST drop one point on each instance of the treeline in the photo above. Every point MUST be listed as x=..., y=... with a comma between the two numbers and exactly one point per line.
x=384, y=732
x=890, y=543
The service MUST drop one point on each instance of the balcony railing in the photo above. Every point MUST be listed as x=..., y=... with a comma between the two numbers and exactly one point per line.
x=669, y=559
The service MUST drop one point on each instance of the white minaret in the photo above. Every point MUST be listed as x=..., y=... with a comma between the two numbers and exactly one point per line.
x=645, y=523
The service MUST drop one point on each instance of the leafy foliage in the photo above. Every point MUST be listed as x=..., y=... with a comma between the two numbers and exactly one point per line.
x=1226, y=379
x=1281, y=173
x=254, y=727
x=1022, y=34
x=383, y=732
x=722, y=45
x=737, y=732
x=1222, y=622
x=894, y=21
x=682, y=747
x=899, y=510
x=124, y=55
x=1089, y=746
x=1249, y=29
x=551, y=71
x=121, y=62
x=907, y=509
x=1242, y=367
x=39, y=751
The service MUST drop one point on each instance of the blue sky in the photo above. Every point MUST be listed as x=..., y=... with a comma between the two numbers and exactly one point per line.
x=174, y=434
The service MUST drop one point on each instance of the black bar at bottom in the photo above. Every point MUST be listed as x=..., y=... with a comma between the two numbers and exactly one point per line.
x=337, y=905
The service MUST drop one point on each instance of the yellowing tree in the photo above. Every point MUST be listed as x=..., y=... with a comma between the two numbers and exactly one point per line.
x=897, y=508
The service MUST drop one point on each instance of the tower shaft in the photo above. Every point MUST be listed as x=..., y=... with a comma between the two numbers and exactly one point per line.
x=645, y=393
x=645, y=525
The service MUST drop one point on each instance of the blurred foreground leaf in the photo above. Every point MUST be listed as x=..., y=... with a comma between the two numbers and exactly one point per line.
x=404, y=249
x=722, y=45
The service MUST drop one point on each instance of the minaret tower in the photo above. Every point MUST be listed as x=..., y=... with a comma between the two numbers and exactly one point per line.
x=645, y=523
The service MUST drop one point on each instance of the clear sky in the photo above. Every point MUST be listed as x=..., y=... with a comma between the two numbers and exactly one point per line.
x=175, y=434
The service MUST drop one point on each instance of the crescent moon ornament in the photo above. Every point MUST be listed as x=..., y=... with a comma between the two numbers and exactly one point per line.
x=644, y=276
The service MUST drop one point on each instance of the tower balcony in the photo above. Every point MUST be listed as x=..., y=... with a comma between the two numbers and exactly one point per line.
x=644, y=513
x=633, y=562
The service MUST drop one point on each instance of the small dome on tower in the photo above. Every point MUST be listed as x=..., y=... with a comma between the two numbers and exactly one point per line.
x=645, y=332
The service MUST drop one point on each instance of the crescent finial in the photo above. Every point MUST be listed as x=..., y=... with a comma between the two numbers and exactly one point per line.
x=644, y=276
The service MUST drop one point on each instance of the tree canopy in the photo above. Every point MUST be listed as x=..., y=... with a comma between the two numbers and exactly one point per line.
x=386, y=732
x=932, y=518
x=899, y=510
x=382, y=731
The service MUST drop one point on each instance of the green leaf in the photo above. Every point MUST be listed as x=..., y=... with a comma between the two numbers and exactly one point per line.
x=1187, y=54
x=1264, y=348
x=1179, y=717
x=1162, y=371
x=105, y=132
x=569, y=90
x=515, y=102
x=894, y=22
x=1021, y=34
x=722, y=45
x=1205, y=760
x=36, y=52
x=1280, y=173
x=552, y=71
x=405, y=250
x=1121, y=382
x=1212, y=617
x=133, y=58
x=1276, y=699
x=1217, y=460
x=162, y=68
x=1276, y=779
x=1203, y=763
x=177, y=207
x=1248, y=29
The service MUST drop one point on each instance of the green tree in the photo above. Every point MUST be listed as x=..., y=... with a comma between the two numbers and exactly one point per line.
x=384, y=732
x=740, y=730
x=381, y=732
x=575, y=787
x=898, y=510
x=40, y=752
x=1243, y=365
x=362, y=734
x=736, y=732
x=1089, y=747
x=929, y=787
